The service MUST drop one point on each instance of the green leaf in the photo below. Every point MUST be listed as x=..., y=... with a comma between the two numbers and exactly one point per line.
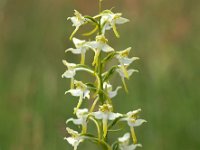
x=108, y=57
x=115, y=130
x=109, y=73
x=91, y=19
x=91, y=86
x=115, y=146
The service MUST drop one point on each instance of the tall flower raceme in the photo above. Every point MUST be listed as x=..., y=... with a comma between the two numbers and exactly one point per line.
x=99, y=92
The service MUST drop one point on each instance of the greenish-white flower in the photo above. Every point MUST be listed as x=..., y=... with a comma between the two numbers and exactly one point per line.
x=99, y=45
x=108, y=88
x=82, y=115
x=81, y=48
x=123, y=59
x=105, y=113
x=70, y=72
x=133, y=121
x=123, y=74
x=81, y=91
x=124, y=143
x=110, y=19
x=77, y=21
x=75, y=139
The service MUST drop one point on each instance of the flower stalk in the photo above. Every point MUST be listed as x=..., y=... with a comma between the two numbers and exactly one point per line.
x=100, y=91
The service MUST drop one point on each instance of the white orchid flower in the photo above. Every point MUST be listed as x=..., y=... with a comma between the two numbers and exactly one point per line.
x=80, y=91
x=131, y=118
x=70, y=73
x=75, y=138
x=124, y=61
x=81, y=48
x=110, y=92
x=124, y=143
x=99, y=45
x=82, y=115
x=77, y=21
x=105, y=113
x=110, y=19
x=121, y=72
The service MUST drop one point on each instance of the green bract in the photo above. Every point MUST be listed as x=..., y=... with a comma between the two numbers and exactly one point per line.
x=99, y=92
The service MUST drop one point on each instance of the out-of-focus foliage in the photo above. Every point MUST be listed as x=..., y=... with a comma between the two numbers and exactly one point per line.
x=165, y=35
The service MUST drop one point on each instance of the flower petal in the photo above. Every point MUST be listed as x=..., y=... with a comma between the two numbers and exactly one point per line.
x=125, y=138
x=74, y=50
x=71, y=140
x=121, y=20
x=75, y=92
x=106, y=48
x=81, y=112
x=113, y=116
x=139, y=122
x=114, y=93
x=78, y=43
x=69, y=74
x=98, y=115
x=86, y=93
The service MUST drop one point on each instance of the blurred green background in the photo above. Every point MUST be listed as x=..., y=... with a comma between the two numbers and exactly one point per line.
x=165, y=34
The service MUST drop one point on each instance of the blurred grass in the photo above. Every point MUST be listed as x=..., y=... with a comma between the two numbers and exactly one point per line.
x=33, y=37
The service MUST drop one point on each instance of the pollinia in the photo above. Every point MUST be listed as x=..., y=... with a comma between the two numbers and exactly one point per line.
x=100, y=92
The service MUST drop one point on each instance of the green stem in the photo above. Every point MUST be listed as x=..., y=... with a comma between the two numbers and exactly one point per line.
x=71, y=36
x=72, y=83
x=100, y=5
x=84, y=129
x=79, y=104
x=101, y=98
x=98, y=128
x=94, y=104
